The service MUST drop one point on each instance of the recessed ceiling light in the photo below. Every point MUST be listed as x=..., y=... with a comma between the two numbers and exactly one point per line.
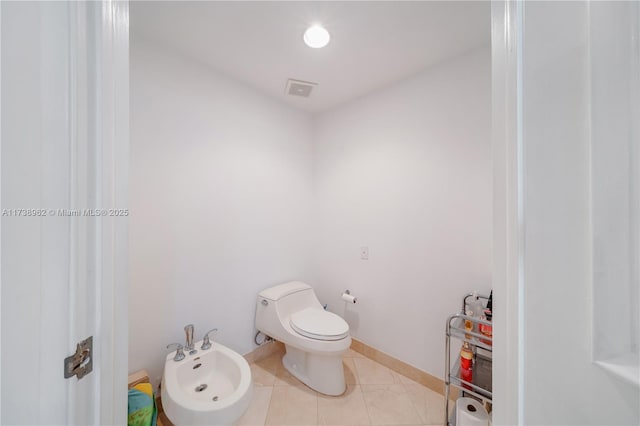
x=316, y=37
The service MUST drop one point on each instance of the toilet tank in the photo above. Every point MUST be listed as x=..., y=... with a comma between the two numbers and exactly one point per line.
x=276, y=304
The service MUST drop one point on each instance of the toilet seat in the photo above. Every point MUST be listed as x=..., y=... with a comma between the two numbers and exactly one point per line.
x=319, y=324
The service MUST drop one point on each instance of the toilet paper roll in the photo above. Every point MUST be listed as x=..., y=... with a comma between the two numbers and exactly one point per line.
x=470, y=412
x=348, y=298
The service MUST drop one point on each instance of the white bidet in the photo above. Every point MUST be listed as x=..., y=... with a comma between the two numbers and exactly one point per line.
x=210, y=387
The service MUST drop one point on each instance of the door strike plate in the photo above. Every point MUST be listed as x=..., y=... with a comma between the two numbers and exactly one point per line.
x=80, y=363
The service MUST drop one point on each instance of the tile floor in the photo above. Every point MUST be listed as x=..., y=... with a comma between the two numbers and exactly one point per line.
x=375, y=395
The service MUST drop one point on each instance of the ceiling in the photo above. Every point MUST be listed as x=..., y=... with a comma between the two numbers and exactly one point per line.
x=373, y=44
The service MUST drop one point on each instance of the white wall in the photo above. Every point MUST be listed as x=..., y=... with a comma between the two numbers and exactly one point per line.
x=226, y=183
x=407, y=172
x=561, y=383
x=220, y=199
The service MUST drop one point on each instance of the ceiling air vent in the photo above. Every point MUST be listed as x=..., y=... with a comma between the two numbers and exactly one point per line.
x=299, y=88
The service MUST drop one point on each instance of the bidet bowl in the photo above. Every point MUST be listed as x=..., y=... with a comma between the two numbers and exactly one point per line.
x=210, y=387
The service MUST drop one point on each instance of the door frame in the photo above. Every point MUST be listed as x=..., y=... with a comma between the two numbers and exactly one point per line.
x=508, y=210
x=0, y=204
x=112, y=149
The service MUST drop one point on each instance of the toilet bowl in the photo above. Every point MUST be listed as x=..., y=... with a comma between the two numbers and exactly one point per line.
x=315, y=339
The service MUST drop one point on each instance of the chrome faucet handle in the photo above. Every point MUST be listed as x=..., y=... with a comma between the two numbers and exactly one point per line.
x=206, y=343
x=179, y=351
x=188, y=331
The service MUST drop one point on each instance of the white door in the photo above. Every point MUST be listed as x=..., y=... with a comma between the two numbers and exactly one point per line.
x=566, y=93
x=64, y=144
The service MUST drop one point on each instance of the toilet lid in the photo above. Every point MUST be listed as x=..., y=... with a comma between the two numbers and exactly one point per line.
x=319, y=324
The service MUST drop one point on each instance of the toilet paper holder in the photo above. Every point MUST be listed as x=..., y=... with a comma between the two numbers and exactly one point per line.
x=347, y=297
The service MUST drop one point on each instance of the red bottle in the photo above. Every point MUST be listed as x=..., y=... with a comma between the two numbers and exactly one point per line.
x=485, y=329
x=466, y=356
x=466, y=374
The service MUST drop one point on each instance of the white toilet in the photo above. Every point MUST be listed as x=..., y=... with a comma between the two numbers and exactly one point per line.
x=315, y=339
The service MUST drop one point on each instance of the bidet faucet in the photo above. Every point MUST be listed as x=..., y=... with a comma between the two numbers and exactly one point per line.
x=179, y=356
x=188, y=331
x=206, y=342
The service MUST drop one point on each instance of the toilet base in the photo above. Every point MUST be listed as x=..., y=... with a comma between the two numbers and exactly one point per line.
x=321, y=373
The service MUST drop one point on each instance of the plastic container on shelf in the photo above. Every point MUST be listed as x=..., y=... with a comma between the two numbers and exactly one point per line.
x=486, y=329
x=476, y=308
x=468, y=324
x=466, y=356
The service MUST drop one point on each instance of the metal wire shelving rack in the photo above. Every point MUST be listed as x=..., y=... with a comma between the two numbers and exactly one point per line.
x=480, y=386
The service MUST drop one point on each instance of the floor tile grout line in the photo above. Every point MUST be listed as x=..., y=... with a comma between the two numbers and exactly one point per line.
x=397, y=380
x=268, y=406
x=366, y=407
